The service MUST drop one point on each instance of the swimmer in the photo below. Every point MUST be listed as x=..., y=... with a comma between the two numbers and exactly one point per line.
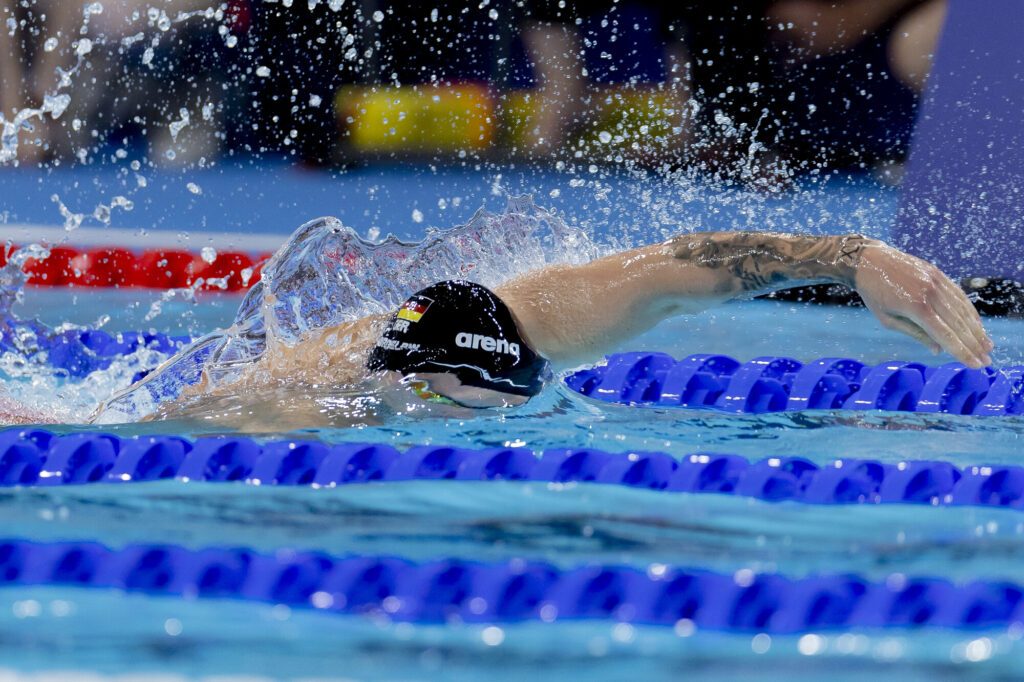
x=458, y=343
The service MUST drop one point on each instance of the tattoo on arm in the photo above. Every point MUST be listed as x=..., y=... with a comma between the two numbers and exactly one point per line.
x=762, y=261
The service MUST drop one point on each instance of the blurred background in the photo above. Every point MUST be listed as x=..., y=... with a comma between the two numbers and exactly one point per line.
x=751, y=91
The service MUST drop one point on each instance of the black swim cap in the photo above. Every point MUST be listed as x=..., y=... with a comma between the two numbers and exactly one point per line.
x=463, y=329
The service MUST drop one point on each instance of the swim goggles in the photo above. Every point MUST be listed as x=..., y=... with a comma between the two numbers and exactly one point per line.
x=422, y=391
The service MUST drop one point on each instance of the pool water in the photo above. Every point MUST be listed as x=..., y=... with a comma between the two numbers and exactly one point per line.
x=78, y=632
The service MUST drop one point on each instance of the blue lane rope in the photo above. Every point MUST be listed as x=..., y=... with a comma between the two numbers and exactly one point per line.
x=32, y=457
x=452, y=590
x=765, y=384
x=777, y=384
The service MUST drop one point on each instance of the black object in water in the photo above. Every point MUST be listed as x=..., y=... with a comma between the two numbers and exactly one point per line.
x=991, y=296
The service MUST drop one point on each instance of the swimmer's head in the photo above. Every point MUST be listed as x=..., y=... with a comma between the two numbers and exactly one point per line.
x=456, y=341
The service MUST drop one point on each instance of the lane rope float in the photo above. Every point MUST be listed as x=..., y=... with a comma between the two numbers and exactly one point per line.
x=152, y=269
x=454, y=590
x=781, y=384
x=35, y=457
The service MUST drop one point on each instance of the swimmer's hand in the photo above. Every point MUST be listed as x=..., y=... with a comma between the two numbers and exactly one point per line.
x=913, y=296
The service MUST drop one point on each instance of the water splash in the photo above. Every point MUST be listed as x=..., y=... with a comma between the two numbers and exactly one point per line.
x=39, y=392
x=326, y=274
x=177, y=126
x=13, y=277
x=56, y=101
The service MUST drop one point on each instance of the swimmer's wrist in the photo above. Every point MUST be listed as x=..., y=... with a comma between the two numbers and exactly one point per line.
x=850, y=250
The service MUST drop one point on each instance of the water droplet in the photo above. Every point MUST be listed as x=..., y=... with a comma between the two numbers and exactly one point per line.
x=177, y=126
x=208, y=253
x=492, y=635
x=50, y=45
x=194, y=188
x=122, y=202
x=604, y=136
x=72, y=220
x=378, y=16
x=102, y=214
x=56, y=104
x=761, y=643
x=417, y=215
x=262, y=71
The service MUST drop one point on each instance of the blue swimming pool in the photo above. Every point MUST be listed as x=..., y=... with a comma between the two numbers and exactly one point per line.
x=47, y=628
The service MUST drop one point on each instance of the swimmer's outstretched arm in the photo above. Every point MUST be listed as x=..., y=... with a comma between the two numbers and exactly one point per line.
x=572, y=313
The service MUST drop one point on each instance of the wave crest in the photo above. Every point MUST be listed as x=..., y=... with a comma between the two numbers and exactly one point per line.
x=327, y=274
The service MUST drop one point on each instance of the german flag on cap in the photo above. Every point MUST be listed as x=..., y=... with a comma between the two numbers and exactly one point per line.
x=414, y=308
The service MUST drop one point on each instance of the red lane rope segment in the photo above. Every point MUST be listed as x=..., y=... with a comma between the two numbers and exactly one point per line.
x=153, y=269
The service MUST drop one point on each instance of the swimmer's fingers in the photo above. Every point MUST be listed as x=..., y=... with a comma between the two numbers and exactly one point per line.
x=951, y=306
x=921, y=321
x=952, y=342
x=915, y=297
x=966, y=329
x=905, y=326
x=936, y=305
x=965, y=310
